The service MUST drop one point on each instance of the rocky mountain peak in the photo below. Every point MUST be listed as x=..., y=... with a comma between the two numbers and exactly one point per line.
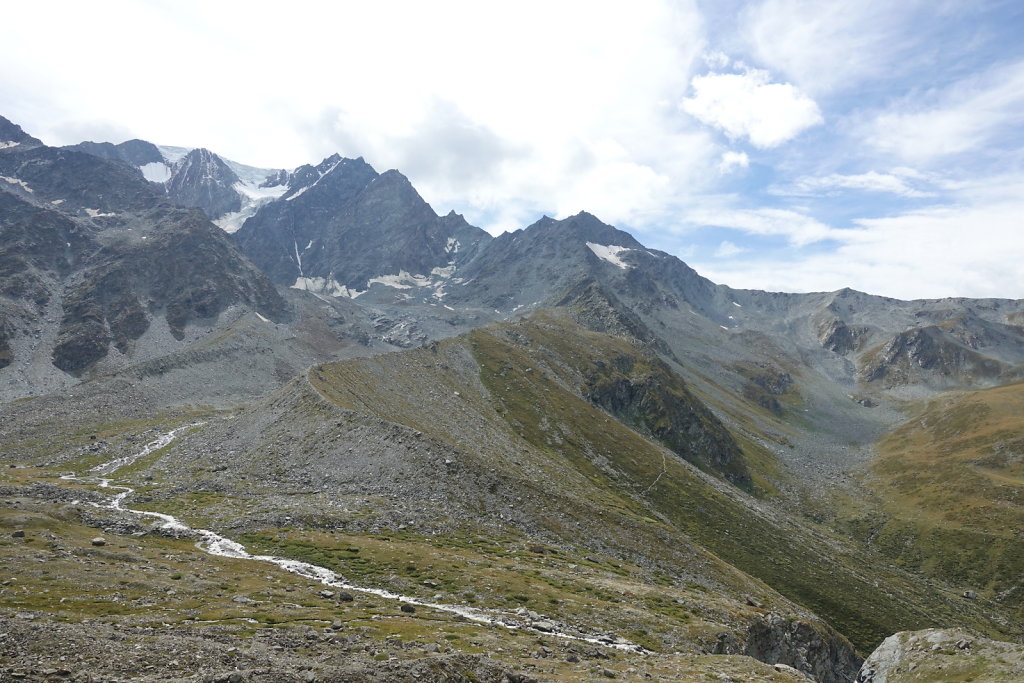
x=12, y=135
x=202, y=179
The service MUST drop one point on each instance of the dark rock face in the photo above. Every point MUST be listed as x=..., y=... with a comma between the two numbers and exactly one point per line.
x=826, y=656
x=929, y=352
x=188, y=271
x=648, y=396
x=133, y=152
x=544, y=263
x=544, y=260
x=838, y=337
x=6, y=354
x=77, y=181
x=342, y=221
x=274, y=179
x=95, y=236
x=12, y=132
x=202, y=179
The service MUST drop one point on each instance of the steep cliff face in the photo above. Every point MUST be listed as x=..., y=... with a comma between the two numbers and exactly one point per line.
x=187, y=271
x=342, y=227
x=801, y=644
x=930, y=355
x=202, y=179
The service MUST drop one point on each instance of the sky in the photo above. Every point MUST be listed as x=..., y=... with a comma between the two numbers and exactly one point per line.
x=785, y=145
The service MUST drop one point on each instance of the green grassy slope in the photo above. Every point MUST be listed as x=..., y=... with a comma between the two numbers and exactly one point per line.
x=950, y=482
x=529, y=382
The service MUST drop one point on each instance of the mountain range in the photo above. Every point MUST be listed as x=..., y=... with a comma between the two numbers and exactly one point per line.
x=557, y=425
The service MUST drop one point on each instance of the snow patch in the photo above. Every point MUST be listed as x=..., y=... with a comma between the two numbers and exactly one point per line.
x=232, y=222
x=445, y=272
x=156, y=172
x=17, y=181
x=453, y=246
x=328, y=286
x=401, y=281
x=256, y=193
x=57, y=202
x=261, y=317
x=96, y=213
x=609, y=253
x=736, y=305
x=253, y=198
x=298, y=257
x=7, y=144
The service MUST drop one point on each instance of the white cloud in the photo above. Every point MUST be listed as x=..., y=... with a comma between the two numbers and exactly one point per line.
x=828, y=45
x=961, y=118
x=727, y=250
x=872, y=181
x=971, y=248
x=717, y=60
x=443, y=91
x=797, y=228
x=733, y=160
x=750, y=105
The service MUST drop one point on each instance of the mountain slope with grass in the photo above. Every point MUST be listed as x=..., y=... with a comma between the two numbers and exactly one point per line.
x=950, y=494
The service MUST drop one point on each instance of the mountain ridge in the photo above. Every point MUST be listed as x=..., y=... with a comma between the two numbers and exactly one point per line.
x=368, y=369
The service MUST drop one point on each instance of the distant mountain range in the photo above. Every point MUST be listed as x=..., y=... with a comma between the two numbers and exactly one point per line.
x=562, y=384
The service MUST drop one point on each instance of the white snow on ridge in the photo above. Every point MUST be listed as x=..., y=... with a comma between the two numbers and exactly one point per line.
x=250, y=175
x=156, y=172
x=610, y=253
x=17, y=181
x=7, y=144
x=339, y=162
x=173, y=154
x=328, y=286
x=96, y=213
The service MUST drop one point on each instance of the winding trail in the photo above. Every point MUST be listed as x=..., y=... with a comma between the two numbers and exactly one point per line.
x=221, y=546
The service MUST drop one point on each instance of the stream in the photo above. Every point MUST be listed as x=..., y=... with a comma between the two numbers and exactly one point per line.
x=214, y=544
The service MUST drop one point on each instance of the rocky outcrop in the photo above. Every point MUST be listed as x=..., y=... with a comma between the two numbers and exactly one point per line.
x=931, y=355
x=11, y=132
x=645, y=394
x=811, y=648
x=132, y=152
x=942, y=655
x=838, y=337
